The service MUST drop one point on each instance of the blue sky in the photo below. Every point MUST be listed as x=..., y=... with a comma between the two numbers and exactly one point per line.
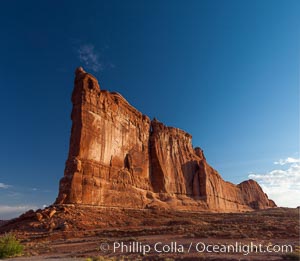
x=225, y=71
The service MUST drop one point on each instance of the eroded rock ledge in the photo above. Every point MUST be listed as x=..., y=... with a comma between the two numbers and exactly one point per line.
x=119, y=157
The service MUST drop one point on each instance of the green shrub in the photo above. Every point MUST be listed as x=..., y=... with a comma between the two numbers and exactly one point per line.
x=10, y=246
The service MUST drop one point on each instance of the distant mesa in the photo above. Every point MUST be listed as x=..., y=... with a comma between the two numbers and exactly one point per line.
x=119, y=157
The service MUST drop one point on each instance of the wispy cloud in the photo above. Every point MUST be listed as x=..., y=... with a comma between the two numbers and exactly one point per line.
x=8, y=212
x=89, y=57
x=287, y=161
x=283, y=183
x=4, y=186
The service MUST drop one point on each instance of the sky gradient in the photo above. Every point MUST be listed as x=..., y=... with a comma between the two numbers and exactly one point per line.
x=227, y=72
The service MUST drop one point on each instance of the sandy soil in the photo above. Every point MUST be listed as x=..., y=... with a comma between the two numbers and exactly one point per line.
x=127, y=234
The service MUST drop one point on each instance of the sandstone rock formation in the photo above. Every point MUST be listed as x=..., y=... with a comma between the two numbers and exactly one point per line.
x=119, y=157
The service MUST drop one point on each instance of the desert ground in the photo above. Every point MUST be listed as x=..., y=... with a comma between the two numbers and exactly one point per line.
x=66, y=232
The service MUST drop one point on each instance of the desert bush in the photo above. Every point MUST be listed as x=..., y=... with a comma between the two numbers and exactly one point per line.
x=10, y=246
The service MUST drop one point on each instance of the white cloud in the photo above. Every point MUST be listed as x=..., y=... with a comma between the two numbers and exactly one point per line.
x=89, y=57
x=8, y=212
x=287, y=161
x=4, y=186
x=283, y=183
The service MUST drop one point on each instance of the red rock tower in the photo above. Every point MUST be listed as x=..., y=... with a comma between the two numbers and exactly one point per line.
x=118, y=157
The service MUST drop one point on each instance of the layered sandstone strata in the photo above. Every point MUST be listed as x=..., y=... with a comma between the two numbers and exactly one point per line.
x=118, y=157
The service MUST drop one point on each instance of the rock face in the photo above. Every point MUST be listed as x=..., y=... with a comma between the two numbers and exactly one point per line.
x=119, y=157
